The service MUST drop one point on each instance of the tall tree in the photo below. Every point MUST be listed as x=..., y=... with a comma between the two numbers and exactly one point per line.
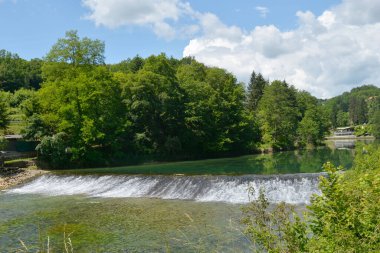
x=313, y=126
x=153, y=99
x=358, y=110
x=76, y=51
x=278, y=115
x=255, y=90
x=214, y=111
x=81, y=98
x=72, y=55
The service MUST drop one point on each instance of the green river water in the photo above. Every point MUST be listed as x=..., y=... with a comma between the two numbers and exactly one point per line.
x=173, y=215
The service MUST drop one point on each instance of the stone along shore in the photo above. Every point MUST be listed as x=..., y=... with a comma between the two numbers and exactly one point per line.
x=12, y=176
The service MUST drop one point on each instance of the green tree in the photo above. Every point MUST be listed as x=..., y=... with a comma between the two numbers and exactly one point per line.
x=215, y=118
x=80, y=99
x=53, y=150
x=313, y=127
x=376, y=124
x=342, y=119
x=72, y=55
x=35, y=73
x=4, y=111
x=278, y=115
x=76, y=51
x=305, y=101
x=255, y=90
x=13, y=71
x=199, y=134
x=233, y=127
x=129, y=66
x=87, y=109
x=153, y=99
x=358, y=110
x=20, y=96
x=355, y=103
x=313, y=120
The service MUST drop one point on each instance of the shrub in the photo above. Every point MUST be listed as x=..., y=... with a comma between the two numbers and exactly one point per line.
x=54, y=151
x=345, y=217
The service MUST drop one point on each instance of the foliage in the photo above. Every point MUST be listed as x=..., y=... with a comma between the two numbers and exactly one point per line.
x=342, y=119
x=153, y=102
x=358, y=110
x=79, y=98
x=278, y=115
x=76, y=51
x=53, y=149
x=345, y=217
x=313, y=126
x=352, y=107
x=16, y=73
x=362, y=130
x=128, y=66
x=374, y=115
x=87, y=108
x=3, y=143
x=274, y=231
x=4, y=111
x=255, y=90
x=376, y=124
x=19, y=96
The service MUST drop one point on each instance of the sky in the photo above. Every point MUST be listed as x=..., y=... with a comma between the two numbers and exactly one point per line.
x=325, y=47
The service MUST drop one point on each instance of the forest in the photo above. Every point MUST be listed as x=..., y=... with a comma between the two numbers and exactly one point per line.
x=85, y=112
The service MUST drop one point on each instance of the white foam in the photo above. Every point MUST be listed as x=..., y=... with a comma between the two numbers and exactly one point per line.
x=294, y=189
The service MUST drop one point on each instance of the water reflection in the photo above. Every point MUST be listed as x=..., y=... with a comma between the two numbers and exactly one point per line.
x=301, y=161
x=347, y=143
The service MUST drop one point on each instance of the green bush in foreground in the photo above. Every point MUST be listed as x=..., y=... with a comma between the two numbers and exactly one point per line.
x=344, y=218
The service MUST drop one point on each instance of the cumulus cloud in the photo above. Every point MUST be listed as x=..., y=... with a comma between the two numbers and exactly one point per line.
x=262, y=10
x=156, y=14
x=324, y=55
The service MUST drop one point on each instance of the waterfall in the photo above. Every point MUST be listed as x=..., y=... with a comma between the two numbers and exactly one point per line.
x=290, y=188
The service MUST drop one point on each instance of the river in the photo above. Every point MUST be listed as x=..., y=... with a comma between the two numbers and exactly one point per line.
x=170, y=207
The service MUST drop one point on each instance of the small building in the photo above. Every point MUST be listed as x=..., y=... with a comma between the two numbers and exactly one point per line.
x=343, y=131
x=15, y=142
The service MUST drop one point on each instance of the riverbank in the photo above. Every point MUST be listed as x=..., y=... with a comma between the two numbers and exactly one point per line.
x=12, y=176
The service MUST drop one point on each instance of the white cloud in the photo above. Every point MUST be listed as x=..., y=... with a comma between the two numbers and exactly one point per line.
x=156, y=14
x=354, y=12
x=325, y=55
x=262, y=10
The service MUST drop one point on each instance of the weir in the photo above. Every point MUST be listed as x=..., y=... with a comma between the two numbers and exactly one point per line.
x=290, y=188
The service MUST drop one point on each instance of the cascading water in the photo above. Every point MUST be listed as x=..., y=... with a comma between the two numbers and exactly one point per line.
x=291, y=188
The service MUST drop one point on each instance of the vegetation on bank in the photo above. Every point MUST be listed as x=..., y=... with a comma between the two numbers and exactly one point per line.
x=87, y=113
x=344, y=218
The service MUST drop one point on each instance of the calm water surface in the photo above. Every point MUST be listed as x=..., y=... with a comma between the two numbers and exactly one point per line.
x=302, y=161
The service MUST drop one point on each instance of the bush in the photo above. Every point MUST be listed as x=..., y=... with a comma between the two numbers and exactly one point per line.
x=344, y=218
x=54, y=151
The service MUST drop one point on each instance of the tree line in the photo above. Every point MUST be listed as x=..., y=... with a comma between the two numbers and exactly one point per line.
x=88, y=113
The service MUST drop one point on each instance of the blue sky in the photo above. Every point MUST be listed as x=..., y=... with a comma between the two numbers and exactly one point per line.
x=325, y=46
